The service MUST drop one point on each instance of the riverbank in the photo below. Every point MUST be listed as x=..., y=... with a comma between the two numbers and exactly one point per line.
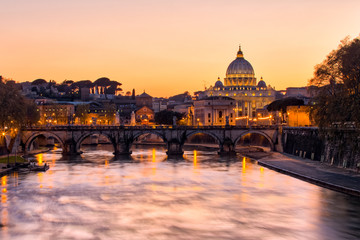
x=7, y=163
x=337, y=179
x=5, y=169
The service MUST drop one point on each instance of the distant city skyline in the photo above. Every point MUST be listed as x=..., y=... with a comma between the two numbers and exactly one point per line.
x=169, y=47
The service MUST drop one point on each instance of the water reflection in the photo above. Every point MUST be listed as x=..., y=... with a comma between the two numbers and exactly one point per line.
x=150, y=196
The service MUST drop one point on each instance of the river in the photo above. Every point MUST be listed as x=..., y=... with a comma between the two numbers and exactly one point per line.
x=147, y=196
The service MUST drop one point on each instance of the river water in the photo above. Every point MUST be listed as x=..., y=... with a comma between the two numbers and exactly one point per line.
x=147, y=196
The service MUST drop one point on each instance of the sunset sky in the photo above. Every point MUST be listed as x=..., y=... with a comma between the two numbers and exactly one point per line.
x=167, y=47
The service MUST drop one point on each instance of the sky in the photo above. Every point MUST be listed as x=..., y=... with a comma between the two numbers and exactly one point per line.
x=167, y=47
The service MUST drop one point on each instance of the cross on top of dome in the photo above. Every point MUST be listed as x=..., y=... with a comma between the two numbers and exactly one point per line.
x=240, y=53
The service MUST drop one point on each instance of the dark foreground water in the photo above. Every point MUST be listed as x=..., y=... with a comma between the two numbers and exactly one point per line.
x=148, y=196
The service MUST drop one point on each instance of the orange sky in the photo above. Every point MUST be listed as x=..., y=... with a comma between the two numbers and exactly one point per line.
x=168, y=47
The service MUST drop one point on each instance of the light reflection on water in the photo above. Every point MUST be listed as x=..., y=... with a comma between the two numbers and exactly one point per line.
x=148, y=196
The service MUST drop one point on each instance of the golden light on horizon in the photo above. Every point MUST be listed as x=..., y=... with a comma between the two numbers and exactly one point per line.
x=186, y=48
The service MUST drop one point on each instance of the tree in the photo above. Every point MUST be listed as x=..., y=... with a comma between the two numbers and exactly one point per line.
x=109, y=86
x=38, y=81
x=82, y=112
x=83, y=84
x=104, y=82
x=32, y=112
x=110, y=112
x=337, y=98
x=15, y=110
x=166, y=117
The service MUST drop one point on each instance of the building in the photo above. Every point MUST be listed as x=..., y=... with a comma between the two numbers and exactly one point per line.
x=240, y=84
x=144, y=99
x=145, y=115
x=56, y=113
x=187, y=109
x=298, y=116
x=159, y=104
x=214, y=110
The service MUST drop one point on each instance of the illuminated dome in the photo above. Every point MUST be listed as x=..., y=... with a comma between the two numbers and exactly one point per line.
x=239, y=67
x=240, y=72
x=261, y=84
x=219, y=84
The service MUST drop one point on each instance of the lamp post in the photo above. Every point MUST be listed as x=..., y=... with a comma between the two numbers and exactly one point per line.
x=3, y=135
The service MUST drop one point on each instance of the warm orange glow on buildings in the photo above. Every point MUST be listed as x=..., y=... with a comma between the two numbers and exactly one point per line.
x=298, y=116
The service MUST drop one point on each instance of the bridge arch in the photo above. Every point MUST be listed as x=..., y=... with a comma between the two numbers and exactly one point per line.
x=140, y=133
x=88, y=134
x=214, y=136
x=33, y=136
x=272, y=145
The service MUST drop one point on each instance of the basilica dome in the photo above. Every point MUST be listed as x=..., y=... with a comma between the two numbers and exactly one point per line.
x=240, y=72
x=239, y=67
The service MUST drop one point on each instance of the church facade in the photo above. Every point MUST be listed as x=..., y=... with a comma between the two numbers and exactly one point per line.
x=251, y=97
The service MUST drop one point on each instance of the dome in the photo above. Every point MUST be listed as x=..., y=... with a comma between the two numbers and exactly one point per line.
x=261, y=84
x=219, y=84
x=240, y=72
x=240, y=67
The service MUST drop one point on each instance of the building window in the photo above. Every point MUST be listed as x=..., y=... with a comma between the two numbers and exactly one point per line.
x=220, y=114
x=209, y=115
x=231, y=115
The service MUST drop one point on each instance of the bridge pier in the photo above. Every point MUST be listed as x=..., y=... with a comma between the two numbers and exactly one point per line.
x=174, y=148
x=227, y=148
x=69, y=148
x=122, y=148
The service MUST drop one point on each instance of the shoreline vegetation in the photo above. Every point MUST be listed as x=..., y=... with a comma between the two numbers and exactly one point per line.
x=11, y=159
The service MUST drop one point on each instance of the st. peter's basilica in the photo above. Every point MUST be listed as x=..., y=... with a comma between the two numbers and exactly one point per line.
x=241, y=89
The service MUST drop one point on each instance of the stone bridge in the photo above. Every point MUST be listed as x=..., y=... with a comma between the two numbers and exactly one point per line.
x=122, y=137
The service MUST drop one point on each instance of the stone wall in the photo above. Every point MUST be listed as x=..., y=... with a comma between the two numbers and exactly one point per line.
x=335, y=146
x=342, y=148
x=304, y=142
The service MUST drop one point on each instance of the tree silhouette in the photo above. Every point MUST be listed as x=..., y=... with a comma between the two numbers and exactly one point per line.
x=15, y=110
x=38, y=81
x=338, y=80
x=166, y=117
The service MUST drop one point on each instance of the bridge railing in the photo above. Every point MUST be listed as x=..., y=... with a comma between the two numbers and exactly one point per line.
x=121, y=127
